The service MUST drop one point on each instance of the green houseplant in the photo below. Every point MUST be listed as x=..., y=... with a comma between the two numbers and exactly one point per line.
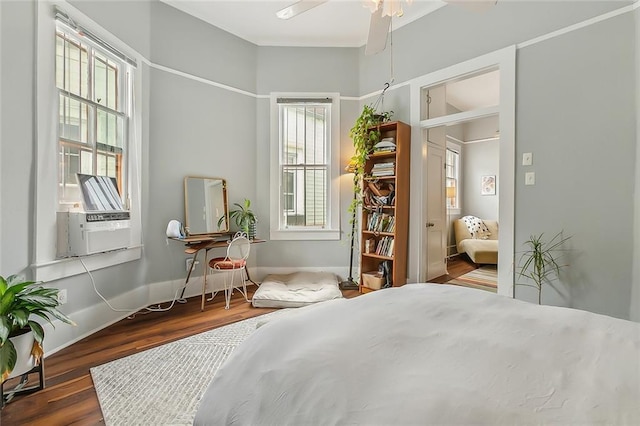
x=540, y=261
x=19, y=300
x=244, y=218
x=365, y=135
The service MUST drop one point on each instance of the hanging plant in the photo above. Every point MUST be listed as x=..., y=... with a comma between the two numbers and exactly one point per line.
x=365, y=133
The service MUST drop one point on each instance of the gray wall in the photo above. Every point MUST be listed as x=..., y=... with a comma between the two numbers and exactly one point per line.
x=197, y=129
x=480, y=159
x=577, y=117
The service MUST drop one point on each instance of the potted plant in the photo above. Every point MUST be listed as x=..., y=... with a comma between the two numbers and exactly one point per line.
x=539, y=262
x=244, y=218
x=19, y=300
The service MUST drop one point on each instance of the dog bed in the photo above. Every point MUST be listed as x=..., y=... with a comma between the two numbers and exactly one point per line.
x=296, y=290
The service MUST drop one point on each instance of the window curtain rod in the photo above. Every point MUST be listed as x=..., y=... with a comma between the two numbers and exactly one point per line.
x=304, y=100
x=65, y=19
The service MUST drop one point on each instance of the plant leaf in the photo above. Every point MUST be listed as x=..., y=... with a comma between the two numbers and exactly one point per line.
x=38, y=331
x=5, y=329
x=5, y=302
x=8, y=358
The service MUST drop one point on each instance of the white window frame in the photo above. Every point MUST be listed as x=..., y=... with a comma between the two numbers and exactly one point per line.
x=458, y=150
x=92, y=145
x=46, y=266
x=332, y=230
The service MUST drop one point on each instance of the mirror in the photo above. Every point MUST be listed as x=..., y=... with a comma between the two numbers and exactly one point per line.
x=205, y=205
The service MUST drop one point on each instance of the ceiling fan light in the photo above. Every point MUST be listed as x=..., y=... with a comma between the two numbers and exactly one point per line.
x=393, y=7
x=372, y=5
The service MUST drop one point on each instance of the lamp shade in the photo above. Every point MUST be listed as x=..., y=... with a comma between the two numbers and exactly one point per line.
x=451, y=192
x=351, y=167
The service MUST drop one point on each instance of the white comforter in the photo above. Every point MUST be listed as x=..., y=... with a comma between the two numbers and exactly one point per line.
x=431, y=354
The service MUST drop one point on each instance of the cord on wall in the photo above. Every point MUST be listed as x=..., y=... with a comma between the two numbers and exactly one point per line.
x=145, y=310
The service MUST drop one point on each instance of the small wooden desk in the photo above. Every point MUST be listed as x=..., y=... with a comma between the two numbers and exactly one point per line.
x=195, y=244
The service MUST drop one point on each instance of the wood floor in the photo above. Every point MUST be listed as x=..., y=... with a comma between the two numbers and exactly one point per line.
x=70, y=398
x=456, y=266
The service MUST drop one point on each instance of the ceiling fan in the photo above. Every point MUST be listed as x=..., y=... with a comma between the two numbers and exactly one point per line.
x=381, y=13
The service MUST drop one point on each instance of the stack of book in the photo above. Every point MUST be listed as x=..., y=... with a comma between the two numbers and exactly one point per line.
x=385, y=145
x=383, y=169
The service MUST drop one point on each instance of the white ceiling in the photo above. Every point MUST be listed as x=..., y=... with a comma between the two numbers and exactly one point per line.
x=337, y=23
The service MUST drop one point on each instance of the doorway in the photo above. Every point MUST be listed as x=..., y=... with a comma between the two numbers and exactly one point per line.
x=438, y=106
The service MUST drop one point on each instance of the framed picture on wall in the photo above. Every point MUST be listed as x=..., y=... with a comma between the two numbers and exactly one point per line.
x=488, y=185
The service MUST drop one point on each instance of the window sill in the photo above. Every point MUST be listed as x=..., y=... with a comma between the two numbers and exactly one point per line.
x=305, y=235
x=67, y=267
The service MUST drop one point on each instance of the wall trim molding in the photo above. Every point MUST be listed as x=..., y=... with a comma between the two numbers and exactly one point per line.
x=578, y=26
x=536, y=40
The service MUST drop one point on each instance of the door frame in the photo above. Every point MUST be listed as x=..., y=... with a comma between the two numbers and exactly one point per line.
x=505, y=61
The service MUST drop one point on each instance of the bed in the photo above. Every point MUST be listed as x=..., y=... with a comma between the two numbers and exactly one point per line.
x=431, y=354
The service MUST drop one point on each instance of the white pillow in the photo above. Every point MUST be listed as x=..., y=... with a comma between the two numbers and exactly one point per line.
x=476, y=227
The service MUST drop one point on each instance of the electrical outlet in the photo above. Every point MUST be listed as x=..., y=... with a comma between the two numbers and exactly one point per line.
x=530, y=178
x=62, y=296
x=527, y=159
x=188, y=263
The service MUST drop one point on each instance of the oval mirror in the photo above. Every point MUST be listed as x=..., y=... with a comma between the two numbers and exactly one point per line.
x=205, y=205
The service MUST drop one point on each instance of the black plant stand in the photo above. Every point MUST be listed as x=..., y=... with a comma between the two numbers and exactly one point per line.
x=20, y=388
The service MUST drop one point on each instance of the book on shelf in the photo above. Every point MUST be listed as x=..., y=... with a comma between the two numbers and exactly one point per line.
x=381, y=222
x=385, y=247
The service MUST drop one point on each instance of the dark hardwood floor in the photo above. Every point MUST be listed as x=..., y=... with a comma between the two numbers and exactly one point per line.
x=70, y=398
x=456, y=266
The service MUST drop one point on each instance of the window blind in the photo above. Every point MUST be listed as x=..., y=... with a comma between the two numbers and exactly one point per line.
x=62, y=17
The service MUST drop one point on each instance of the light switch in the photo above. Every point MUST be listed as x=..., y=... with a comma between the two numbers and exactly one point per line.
x=530, y=178
x=527, y=159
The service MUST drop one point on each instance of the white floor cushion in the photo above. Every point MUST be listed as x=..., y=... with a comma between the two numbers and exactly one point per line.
x=296, y=290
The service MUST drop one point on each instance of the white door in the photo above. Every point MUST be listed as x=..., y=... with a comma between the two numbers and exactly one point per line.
x=436, y=217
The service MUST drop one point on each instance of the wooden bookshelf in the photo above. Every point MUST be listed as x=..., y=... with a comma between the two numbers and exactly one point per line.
x=380, y=241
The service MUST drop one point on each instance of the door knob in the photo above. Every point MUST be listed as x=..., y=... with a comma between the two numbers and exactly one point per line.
x=430, y=224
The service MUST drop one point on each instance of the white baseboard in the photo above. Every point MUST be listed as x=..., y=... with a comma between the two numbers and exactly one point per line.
x=99, y=316
x=93, y=319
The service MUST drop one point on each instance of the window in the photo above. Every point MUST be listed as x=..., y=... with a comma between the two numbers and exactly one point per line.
x=452, y=167
x=86, y=123
x=305, y=146
x=92, y=114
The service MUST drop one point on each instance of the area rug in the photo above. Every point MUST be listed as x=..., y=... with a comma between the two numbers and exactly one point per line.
x=483, y=278
x=163, y=385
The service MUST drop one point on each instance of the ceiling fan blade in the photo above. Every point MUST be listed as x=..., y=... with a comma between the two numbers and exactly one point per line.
x=378, y=32
x=297, y=8
x=474, y=5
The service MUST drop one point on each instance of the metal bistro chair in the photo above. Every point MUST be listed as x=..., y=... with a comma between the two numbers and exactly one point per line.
x=232, y=265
